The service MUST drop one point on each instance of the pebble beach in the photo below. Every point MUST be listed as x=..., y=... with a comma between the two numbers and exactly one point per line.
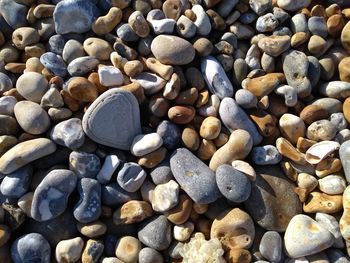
x=180, y=131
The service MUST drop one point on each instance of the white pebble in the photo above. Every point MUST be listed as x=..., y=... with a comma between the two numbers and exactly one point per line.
x=183, y=232
x=110, y=76
x=109, y=166
x=146, y=143
x=332, y=184
x=165, y=196
x=69, y=250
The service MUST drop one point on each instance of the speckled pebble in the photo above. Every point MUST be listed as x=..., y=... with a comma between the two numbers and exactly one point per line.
x=84, y=164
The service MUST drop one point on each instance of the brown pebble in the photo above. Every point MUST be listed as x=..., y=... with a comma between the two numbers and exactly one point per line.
x=16, y=68
x=335, y=25
x=328, y=166
x=238, y=255
x=43, y=11
x=299, y=38
x=203, y=98
x=139, y=24
x=206, y=150
x=289, y=171
x=203, y=225
x=35, y=50
x=210, y=128
x=218, y=23
x=133, y=68
x=82, y=89
x=287, y=150
x=181, y=212
x=190, y=138
x=181, y=114
x=323, y=203
x=131, y=212
x=153, y=159
x=264, y=85
x=34, y=65
x=105, y=24
x=25, y=36
x=203, y=46
x=346, y=109
x=136, y=89
x=200, y=208
x=68, y=100
x=165, y=71
x=172, y=9
x=95, y=79
x=344, y=69
x=313, y=113
x=98, y=48
x=187, y=97
x=93, y=229
x=5, y=234
x=303, y=144
x=265, y=122
x=159, y=106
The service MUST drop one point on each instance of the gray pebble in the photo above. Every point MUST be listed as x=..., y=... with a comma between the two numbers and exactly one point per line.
x=82, y=65
x=280, y=14
x=5, y=83
x=233, y=184
x=163, y=26
x=282, y=31
x=30, y=248
x=52, y=98
x=317, y=26
x=240, y=70
x=246, y=99
x=45, y=27
x=54, y=63
x=56, y=44
x=170, y=134
x=322, y=130
x=13, y=13
x=330, y=223
x=150, y=255
x=260, y=6
x=194, y=176
x=298, y=23
x=253, y=57
x=265, y=155
x=51, y=196
x=185, y=27
x=225, y=7
x=84, y=164
x=230, y=38
x=266, y=23
x=126, y=33
x=335, y=89
x=7, y=105
x=248, y=17
x=271, y=246
x=88, y=208
x=161, y=174
x=114, y=195
x=338, y=121
x=59, y=114
x=16, y=184
x=8, y=125
x=74, y=16
x=155, y=232
x=72, y=49
x=337, y=256
x=344, y=154
x=144, y=45
x=131, y=177
x=175, y=249
x=68, y=133
x=314, y=70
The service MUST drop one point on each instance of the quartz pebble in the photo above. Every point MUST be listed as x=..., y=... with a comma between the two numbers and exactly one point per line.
x=165, y=196
x=69, y=250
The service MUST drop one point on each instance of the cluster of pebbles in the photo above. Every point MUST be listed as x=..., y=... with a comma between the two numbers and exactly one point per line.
x=195, y=131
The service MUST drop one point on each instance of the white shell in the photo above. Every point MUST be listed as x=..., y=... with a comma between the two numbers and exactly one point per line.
x=320, y=151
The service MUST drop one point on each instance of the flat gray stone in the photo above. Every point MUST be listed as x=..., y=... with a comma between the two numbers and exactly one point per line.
x=113, y=119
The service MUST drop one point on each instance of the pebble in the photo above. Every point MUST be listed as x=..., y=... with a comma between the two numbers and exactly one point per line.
x=317, y=26
x=344, y=153
x=266, y=155
x=105, y=24
x=32, y=86
x=54, y=63
x=304, y=236
x=68, y=133
x=7, y=105
x=271, y=246
x=113, y=105
x=114, y=195
x=183, y=232
x=322, y=130
x=132, y=212
x=180, y=213
x=24, y=153
x=6, y=143
x=150, y=82
x=233, y=184
x=156, y=233
x=84, y=165
x=51, y=196
x=194, y=176
x=81, y=89
x=110, y=76
x=97, y=48
x=165, y=196
x=144, y=144
x=170, y=134
x=345, y=36
x=216, y=78
x=335, y=89
x=290, y=5
x=92, y=251
x=32, y=247
x=266, y=23
x=52, y=98
x=5, y=82
x=131, y=177
x=16, y=184
x=150, y=255
x=274, y=45
x=332, y=184
x=330, y=223
x=321, y=202
x=234, y=228
x=172, y=50
x=275, y=215
x=127, y=249
x=260, y=7
x=292, y=127
x=109, y=166
x=343, y=222
x=233, y=117
x=69, y=250
x=88, y=208
x=25, y=36
x=81, y=65
x=238, y=147
x=31, y=117
x=74, y=16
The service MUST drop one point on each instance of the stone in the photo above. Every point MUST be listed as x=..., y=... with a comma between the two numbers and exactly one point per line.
x=74, y=16
x=81, y=65
x=31, y=247
x=97, y=48
x=92, y=251
x=195, y=177
x=170, y=134
x=271, y=246
x=81, y=89
x=127, y=249
x=5, y=82
x=146, y=143
x=54, y=63
x=181, y=114
x=139, y=24
x=131, y=177
x=313, y=113
x=332, y=184
x=68, y=133
x=52, y=98
x=165, y=196
x=343, y=66
x=152, y=159
x=304, y=236
x=16, y=184
x=114, y=195
x=69, y=250
x=322, y=130
x=345, y=36
x=292, y=127
x=8, y=125
x=181, y=212
x=32, y=86
x=344, y=153
x=150, y=82
x=335, y=89
x=289, y=5
x=323, y=203
x=183, y=232
x=5, y=233
x=92, y=230
x=84, y=165
x=51, y=196
x=233, y=117
x=155, y=232
x=150, y=255
x=88, y=208
x=25, y=36
x=265, y=155
x=31, y=117
x=266, y=23
x=185, y=27
x=330, y=223
x=117, y=106
x=105, y=24
x=172, y=50
x=266, y=205
x=274, y=45
x=110, y=76
x=109, y=166
x=6, y=143
x=234, y=228
x=238, y=147
x=202, y=20
x=233, y=184
x=260, y=7
x=13, y=13
x=245, y=99
x=24, y=153
x=132, y=212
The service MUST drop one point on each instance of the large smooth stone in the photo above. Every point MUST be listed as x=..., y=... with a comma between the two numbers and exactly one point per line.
x=304, y=236
x=344, y=153
x=194, y=176
x=113, y=119
x=51, y=196
x=216, y=78
x=13, y=13
x=74, y=16
x=172, y=50
x=270, y=193
x=24, y=153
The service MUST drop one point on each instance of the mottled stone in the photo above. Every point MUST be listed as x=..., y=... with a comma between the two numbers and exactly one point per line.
x=68, y=133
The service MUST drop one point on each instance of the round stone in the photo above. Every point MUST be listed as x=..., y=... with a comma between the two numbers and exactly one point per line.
x=68, y=133
x=32, y=86
x=150, y=255
x=127, y=249
x=165, y=196
x=144, y=144
x=131, y=177
x=69, y=250
x=84, y=164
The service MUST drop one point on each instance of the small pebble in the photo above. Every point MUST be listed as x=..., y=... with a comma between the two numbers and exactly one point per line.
x=131, y=177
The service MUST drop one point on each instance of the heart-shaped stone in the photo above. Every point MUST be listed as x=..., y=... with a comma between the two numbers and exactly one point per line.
x=113, y=119
x=304, y=236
